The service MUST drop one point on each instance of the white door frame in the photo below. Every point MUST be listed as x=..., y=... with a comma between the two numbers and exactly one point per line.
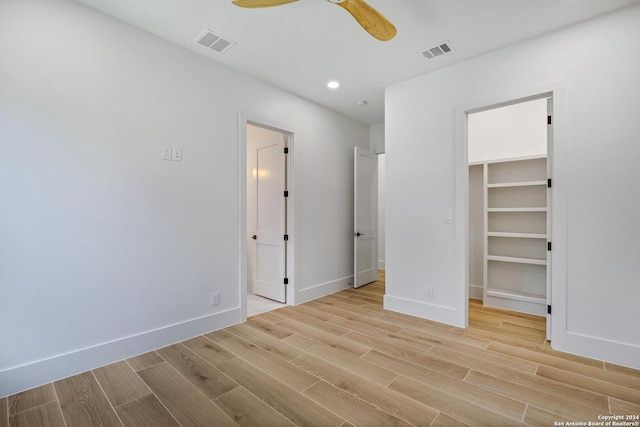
x=557, y=91
x=244, y=119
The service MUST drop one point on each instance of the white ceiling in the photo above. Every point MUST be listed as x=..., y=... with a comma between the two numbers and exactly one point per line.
x=301, y=46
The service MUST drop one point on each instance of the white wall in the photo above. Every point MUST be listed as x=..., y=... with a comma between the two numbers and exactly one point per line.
x=376, y=133
x=476, y=231
x=596, y=204
x=516, y=130
x=105, y=249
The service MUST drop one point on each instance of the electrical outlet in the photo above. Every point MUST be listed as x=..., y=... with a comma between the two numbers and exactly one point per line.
x=177, y=154
x=215, y=298
x=429, y=292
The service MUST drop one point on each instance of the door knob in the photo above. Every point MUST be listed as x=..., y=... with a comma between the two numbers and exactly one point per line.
x=254, y=237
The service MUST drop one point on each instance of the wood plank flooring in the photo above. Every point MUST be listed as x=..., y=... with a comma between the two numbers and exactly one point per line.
x=342, y=361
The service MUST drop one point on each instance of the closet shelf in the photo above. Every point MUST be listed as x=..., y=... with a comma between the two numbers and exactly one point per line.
x=536, y=209
x=517, y=260
x=515, y=295
x=517, y=184
x=517, y=235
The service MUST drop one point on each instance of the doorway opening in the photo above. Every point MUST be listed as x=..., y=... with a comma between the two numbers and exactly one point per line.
x=365, y=217
x=381, y=213
x=267, y=218
x=509, y=216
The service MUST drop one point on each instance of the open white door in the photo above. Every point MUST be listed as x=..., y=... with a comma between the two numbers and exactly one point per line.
x=270, y=234
x=365, y=218
x=549, y=169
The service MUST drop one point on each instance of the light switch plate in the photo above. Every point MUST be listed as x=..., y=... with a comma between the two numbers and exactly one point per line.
x=177, y=154
x=448, y=217
x=166, y=152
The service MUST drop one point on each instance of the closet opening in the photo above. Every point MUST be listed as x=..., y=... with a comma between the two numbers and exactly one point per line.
x=509, y=264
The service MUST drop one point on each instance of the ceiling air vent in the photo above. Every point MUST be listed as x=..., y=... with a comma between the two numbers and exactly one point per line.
x=437, y=50
x=214, y=41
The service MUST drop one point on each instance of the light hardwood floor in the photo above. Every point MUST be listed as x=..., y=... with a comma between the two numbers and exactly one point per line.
x=342, y=361
x=258, y=305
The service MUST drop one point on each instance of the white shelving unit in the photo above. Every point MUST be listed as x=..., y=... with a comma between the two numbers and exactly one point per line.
x=515, y=234
x=516, y=209
x=516, y=259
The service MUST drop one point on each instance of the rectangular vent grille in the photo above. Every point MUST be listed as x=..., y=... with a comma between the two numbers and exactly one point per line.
x=214, y=41
x=437, y=50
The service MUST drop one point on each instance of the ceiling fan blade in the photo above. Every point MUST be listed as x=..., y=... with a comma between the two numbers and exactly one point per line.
x=369, y=18
x=260, y=3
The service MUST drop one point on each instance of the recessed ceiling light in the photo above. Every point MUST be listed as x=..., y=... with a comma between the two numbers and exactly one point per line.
x=362, y=103
x=333, y=84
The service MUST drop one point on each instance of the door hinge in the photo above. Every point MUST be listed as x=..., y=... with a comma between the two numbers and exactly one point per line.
x=286, y=194
x=549, y=182
x=548, y=309
x=286, y=281
x=548, y=246
x=286, y=150
x=548, y=120
x=286, y=237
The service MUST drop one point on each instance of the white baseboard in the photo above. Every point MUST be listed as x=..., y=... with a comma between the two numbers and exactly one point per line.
x=515, y=305
x=380, y=264
x=19, y=378
x=437, y=313
x=318, y=291
x=624, y=354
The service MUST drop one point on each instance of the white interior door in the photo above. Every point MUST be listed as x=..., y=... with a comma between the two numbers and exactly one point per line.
x=270, y=253
x=365, y=236
x=549, y=169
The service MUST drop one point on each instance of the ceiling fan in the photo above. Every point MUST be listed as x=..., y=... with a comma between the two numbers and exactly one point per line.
x=369, y=18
